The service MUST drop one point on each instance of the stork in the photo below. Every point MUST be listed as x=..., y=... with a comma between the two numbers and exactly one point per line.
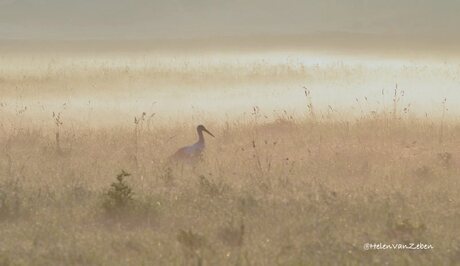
x=193, y=152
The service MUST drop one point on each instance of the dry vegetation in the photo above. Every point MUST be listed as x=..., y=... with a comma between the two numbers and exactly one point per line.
x=287, y=192
x=306, y=190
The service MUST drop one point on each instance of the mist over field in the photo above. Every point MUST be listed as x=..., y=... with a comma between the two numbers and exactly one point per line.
x=228, y=84
x=328, y=132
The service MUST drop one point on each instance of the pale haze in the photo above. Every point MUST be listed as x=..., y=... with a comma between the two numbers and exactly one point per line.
x=252, y=53
x=116, y=19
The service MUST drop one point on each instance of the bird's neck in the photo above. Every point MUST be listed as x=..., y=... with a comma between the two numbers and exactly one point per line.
x=200, y=137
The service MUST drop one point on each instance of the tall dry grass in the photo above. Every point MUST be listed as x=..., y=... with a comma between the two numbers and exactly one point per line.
x=287, y=192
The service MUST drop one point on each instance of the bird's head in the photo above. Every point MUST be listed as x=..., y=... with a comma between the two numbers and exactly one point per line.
x=202, y=128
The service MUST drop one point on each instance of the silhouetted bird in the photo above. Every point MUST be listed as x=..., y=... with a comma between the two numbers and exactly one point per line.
x=193, y=152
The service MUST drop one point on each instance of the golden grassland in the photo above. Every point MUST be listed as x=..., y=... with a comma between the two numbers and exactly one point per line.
x=289, y=192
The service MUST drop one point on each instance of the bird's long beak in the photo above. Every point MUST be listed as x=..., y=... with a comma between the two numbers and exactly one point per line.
x=205, y=130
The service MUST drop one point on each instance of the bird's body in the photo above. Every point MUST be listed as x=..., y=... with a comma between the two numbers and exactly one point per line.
x=190, y=151
x=193, y=152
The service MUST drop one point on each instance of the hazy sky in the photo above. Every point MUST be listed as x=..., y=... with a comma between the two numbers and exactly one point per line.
x=153, y=19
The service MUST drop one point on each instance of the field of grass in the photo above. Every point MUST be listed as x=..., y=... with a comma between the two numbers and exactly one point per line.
x=288, y=192
x=305, y=188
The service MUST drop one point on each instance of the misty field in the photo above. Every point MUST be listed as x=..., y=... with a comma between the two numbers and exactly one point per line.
x=288, y=192
x=85, y=175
